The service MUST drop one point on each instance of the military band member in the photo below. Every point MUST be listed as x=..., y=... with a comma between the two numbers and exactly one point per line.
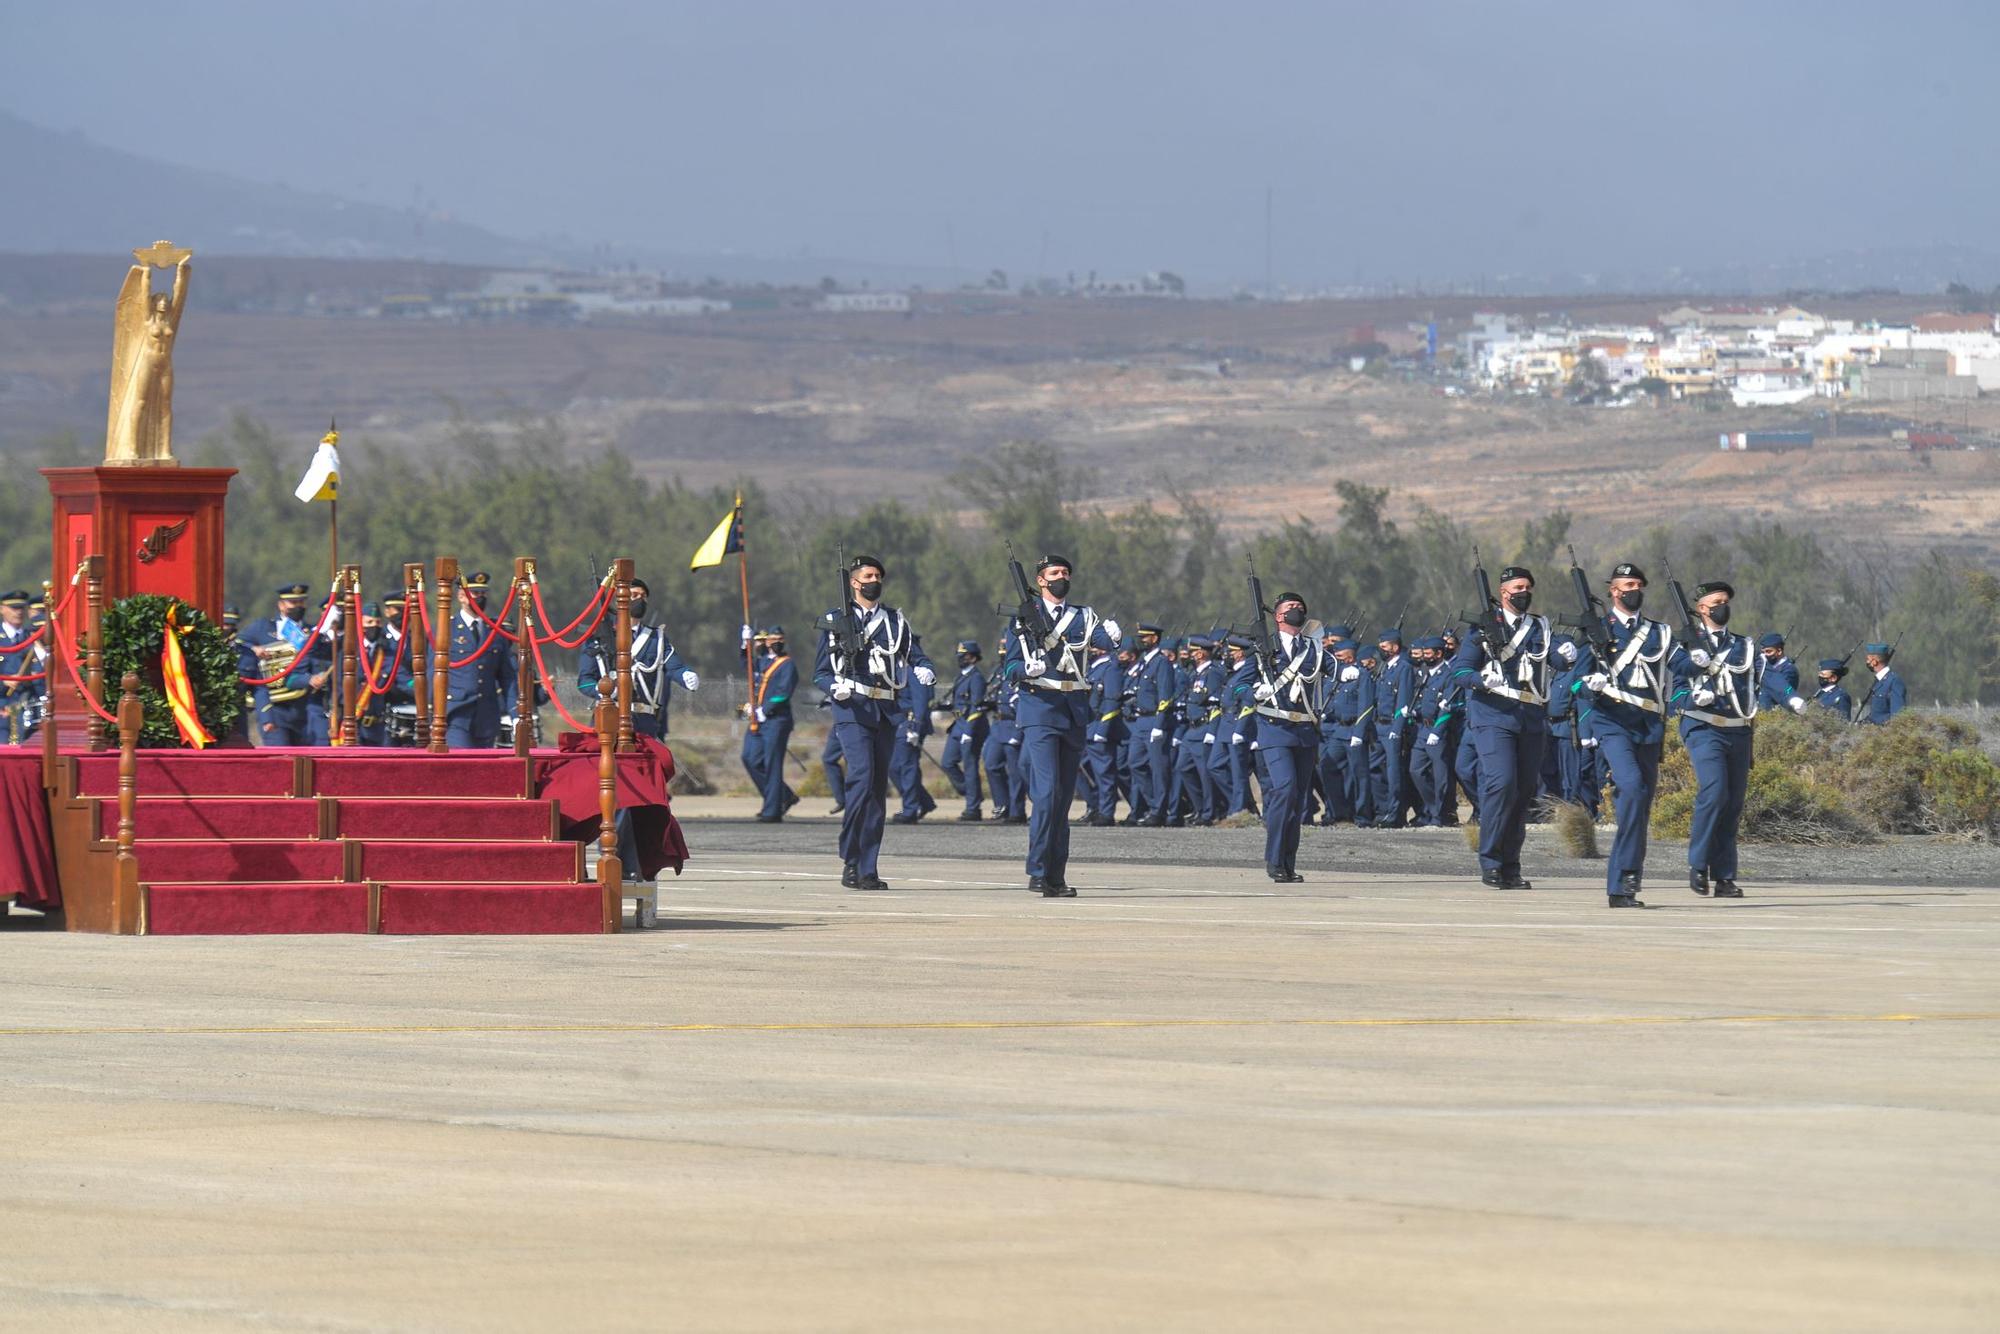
x=268, y=646
x=906, y=757
x=971, y=720
x=1052, y=711
x=771, y=709
x=1832, y=696
x=480, y=688
x=387, y=678
x=1629, y=720
x=1507, y=692
x=752, y=751
x=1287, y=695
x=867, y=699
x=656, y=668
x=1886, y=693
x=20, y=701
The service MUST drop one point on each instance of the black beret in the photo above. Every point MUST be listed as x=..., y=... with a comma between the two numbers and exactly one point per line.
x=1053, y=559
x=1627, y=570
x=1517, y=572
x=639, y=586
x=1718, y=586
x=861, y=561
x=1283, y=598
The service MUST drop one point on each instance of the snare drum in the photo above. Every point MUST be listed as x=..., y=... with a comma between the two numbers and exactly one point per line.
x=402, y=724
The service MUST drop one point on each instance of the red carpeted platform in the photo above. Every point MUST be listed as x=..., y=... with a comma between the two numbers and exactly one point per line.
x=330, y=840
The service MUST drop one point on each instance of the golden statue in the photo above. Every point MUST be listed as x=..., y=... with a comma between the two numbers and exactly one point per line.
x=141, y=425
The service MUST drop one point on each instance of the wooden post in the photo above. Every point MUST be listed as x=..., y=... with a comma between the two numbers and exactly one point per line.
x=444, y=605
x=93, y=676
x=349, y=689
x=125, y=882
x=622, y=574
x=415, y=638
x=524, y=657
x=610, y=875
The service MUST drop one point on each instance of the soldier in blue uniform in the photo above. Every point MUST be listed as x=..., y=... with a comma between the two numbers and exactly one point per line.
x=868, y=694
x=1001, y=756
x=1104, y=735
x=1781, y=674
x=1572, y=747
x=1504, y=672
x=262, y=645
x=1388, y=762
x=1430, y=763
x=771, y=710
x=831, y=764
x=906, y=757
x=1239, y=711
x=1629, y=719
x=20, y=701
x=1832, y=696
x=1349, y=710
x=1886, y=694
x=1053, y=711
x=1191, y=774
x=384, y=680
x=656, y=669
x=1151, y=680
x=751, y=752
x=971, y=720
x=478, y=692
x=1287, y=703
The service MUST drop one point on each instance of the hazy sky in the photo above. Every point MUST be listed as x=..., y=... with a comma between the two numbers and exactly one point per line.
x=1403, y=139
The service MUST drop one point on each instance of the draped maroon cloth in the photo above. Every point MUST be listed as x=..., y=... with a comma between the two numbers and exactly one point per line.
x=569, y=778
x=27, y=847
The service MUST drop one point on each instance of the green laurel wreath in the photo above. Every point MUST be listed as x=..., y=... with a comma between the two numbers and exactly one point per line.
x=135, y=632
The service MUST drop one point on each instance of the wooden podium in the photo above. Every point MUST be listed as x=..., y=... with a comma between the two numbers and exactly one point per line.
x=158, y=529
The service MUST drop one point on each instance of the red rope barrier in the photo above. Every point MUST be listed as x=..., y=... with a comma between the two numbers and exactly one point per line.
x=601, y=602
x=480, y=652
x=42, y=675
x=325, y=616
x=395, y=662
x=555, y=695
x=41, y=631
x=76, y=674
x=480, y=612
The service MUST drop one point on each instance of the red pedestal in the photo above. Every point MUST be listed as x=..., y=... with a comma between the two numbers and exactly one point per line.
x=159, y=529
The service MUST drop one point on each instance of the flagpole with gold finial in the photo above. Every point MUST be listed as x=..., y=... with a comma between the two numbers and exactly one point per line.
x=749, y=634
x=333, y=574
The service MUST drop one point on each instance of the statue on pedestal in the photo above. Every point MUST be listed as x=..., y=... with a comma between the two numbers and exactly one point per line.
x=141, y=424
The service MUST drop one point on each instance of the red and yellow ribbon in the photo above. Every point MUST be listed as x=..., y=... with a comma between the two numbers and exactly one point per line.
x=180, y=690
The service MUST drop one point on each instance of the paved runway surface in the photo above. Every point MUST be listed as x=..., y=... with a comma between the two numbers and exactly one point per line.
x=1186, y=1100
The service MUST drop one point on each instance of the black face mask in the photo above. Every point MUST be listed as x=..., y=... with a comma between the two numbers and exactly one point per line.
x=1059, y=589
x=372, y=636
x=1719, y=613
x=1293, y=618
x=1520, y=602
x=293, y=613
x=966, y=659
x=638, y=609
x=871, y=591
x=1632, y=599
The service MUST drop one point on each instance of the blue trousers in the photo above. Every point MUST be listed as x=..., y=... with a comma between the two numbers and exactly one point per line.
x=1290, y=770
x=829, y=760
x=753, y=758
x=775, y=734
x=865, y=750
x=1465, y=768
x=1184, y=794
x=1721, y=757
x=1215, y=779
x=1139, y=767
x=1577, y=766
x=283, y=725
x=1635, y=770
x=1333, y=774
x=319, y=724
x=1388, y=775
x=1430, y=777
x=459, y=734
x=962, y=749
x=1159, y=759
x=1104, y=760
x=1508, y=764
x=1052, y=756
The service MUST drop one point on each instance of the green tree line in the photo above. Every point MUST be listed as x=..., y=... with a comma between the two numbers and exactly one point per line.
x=491, y=494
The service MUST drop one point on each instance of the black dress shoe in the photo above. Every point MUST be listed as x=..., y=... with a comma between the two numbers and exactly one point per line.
x=872, y=882
x=1493, y=880
x=1154, y=821
x=1277, y=873
x=850, y=876
x=905, y=817
x=1056, y=889
x=970, y=817
x=1037, y=884
x=1726, y=889
x=1698, y=881
x=1293, y=877
x=1128, y=822
x=838, y=810
x=1625, y=901
x=791, y=800
x=1177, y=823
x=1514, y=881
x=769, y=819
x=1015, y=819
x=1628, y=883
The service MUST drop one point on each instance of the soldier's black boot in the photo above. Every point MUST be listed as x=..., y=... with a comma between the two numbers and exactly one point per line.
x=1628, y=891
x=850, y=876
x=1698, y=880
x=1726, y=889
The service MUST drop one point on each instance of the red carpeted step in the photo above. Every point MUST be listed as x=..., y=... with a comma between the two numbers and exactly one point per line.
x=162, y=862
x=190, y=774
x=412, y=773
x=215, y=817
x=253, y=909
x=455, y=861
x=439, y=818
x=486, y=910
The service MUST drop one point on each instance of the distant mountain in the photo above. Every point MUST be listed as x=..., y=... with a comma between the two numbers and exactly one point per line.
x=69, y=195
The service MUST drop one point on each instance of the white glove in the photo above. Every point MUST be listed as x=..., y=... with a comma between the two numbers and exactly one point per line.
x=333, y=617
x=1490, y=675
x=1207, y=738
x=925, y=676
x=1036, y=668
x=690, y=680
x=1255, y=744
x=1797, y=704
x=746, y=632
x=1567, y=652
x=1589, y=743
x=1596, y=681
x=1157, y=733
x=1265, y=691
x=1704, y=697
x=760, y=715
x=1699, y=656
x=1354, y=741
x=910, y=737
x=1239, y=740
x=1432, y=739
x=1177, y=740
x=843, y=691
x=1350, y=673
x=1111, y=628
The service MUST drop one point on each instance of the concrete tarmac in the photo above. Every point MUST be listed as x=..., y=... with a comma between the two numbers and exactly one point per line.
x=1188, y=1099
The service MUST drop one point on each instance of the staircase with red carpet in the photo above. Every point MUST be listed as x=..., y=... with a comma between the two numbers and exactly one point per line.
x=244, y=842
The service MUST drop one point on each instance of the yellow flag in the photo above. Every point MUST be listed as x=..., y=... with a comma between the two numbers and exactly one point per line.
x=726, y=540
x=322, y=479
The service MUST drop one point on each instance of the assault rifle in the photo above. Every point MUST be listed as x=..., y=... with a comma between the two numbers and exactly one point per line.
x=1691, y=632
x=1266, y=651
x=1589, y=620
x=846, y=628
x=1031, y=618
x=1485, y=622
